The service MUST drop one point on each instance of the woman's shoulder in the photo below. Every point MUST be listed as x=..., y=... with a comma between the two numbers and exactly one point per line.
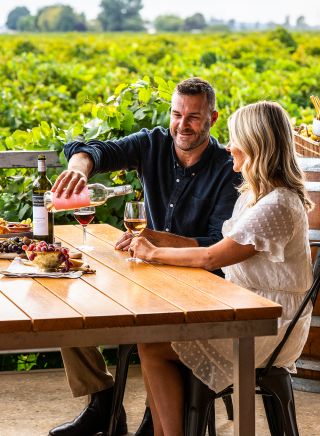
x=282, y=201
x=281, y=196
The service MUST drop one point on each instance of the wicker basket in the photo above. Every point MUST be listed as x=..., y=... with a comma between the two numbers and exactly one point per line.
x=306, y=146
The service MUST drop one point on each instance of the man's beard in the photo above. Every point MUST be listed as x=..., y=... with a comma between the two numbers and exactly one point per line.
x=185, y=145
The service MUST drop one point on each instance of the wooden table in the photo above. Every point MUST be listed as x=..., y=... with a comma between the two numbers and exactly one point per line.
x=115, y=305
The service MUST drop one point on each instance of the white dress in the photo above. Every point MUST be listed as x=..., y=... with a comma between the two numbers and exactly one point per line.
x=277, y=226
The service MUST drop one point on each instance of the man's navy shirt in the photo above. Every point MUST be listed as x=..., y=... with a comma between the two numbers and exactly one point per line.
x=193, y=201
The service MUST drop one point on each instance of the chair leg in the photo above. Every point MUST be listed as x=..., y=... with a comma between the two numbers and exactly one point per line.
x=274, y=418
x=227, y=399
x=229, y=406
x=212, y=420
x=281, y=408
x=199, y=400
x=124, y=354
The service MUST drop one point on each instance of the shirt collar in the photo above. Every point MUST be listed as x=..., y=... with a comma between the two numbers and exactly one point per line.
x=197, y=167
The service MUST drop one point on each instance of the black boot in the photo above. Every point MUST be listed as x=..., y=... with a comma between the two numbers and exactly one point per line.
x=146, y=426
x=93, y=419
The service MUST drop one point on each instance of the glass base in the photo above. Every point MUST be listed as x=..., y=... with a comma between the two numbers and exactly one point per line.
x=85, y=247
x=134, y=259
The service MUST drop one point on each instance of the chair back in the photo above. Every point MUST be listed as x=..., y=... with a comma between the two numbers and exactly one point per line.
x=311, y=295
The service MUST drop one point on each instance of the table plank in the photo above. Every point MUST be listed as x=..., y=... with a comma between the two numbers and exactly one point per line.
x=148, y=308
x=198, y=306
x=12, y=319
x=96, y=308
x=249, y=306
x=46, y=311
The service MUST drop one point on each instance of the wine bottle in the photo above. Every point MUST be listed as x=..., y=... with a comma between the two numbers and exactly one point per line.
x=93, y=194
x=42, y=218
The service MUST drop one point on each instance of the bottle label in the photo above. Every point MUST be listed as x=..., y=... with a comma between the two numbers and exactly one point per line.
x=74, y=202
x=42, y=166
x=40, y=216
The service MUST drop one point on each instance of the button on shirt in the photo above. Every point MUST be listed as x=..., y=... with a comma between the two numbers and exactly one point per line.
x=193, y=201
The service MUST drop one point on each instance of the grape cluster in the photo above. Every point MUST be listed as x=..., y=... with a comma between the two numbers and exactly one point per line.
x=14, y=245
x=44, y=247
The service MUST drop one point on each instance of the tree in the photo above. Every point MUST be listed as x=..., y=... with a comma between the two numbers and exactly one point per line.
x=195, y=22
x=168, y=23
x=301, y=22
x=59, y=18
x=15, y=15
x=121, y=15
x=27, y=23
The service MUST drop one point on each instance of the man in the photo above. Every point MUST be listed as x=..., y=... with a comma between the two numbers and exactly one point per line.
x=189, y=190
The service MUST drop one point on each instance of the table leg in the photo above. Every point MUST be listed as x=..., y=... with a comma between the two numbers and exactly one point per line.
x=244, y=387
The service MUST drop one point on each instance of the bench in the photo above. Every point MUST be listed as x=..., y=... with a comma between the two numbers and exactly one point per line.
x=28, y=158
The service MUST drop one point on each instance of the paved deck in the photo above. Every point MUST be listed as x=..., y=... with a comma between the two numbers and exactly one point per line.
x=34, y=402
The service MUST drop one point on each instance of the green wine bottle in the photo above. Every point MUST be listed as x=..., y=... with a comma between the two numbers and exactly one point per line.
x=42, y=219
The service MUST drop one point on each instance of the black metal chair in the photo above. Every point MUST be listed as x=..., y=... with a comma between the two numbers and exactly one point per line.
x=274, y=384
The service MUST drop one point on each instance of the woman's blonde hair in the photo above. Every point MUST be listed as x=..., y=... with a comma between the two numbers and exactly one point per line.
x=263, y=131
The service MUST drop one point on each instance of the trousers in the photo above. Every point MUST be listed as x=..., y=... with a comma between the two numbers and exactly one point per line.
x=86, y=370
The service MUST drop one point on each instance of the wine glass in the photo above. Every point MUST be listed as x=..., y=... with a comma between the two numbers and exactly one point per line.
x=84, y=216
x=135, y=220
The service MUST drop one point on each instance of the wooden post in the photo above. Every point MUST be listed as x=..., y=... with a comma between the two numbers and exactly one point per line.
x=244, y=387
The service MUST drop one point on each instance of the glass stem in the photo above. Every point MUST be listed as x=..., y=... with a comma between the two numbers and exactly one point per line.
x=84, y=235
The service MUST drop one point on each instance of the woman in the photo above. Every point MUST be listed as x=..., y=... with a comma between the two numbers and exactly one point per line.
x=265, y=249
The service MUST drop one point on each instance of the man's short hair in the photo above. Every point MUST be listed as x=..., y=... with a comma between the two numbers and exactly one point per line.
x=195, y=86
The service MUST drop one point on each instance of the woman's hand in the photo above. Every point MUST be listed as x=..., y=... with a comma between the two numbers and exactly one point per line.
x=124, y=242
x=143, y=249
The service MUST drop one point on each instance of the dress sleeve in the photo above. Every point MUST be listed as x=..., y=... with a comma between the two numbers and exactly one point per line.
x=269, y=227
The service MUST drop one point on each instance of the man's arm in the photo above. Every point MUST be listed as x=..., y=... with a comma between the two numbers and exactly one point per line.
x=95, y=156
x=159, y=239
x=165, y=239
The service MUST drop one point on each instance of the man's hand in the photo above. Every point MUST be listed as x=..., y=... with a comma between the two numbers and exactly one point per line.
x=124, y=242
x=69, y=182
x=75, y=178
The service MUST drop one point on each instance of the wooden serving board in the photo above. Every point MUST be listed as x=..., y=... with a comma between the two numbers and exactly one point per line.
x=11, y=255
x=13, y=234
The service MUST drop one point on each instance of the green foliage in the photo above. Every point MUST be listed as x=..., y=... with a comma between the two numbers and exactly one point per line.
x=285, y=38
x=55, y=88
x=208, y=58
x=25, y=47
x=49, y=360
x=15, y=15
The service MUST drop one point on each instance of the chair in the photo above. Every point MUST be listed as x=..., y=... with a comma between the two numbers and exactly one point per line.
x=124, y=354
x=274, y=384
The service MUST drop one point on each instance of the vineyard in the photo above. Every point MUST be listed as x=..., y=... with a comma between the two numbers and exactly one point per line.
x=55, y=88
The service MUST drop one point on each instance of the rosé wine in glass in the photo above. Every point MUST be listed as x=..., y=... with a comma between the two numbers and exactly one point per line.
x=84, y=216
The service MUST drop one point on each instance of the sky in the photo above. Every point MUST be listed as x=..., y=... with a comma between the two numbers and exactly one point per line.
x=240, y=10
